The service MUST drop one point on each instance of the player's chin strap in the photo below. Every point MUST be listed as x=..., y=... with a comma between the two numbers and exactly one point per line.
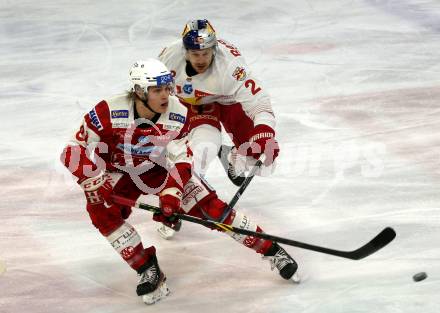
x=375, y=244
x=145, y=103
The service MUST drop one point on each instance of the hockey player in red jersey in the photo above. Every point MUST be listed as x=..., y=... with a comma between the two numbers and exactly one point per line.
x=135, y=146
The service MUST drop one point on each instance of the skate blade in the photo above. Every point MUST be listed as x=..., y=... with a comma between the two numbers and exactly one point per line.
x=165, y=232
x=296, y=278
x=161, y=292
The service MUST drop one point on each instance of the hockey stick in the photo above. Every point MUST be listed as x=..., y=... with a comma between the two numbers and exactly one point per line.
x=243, y=186
x=377, y=243
x=245, y=183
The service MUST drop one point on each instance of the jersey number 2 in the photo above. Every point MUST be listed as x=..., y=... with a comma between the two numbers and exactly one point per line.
x=251, y=83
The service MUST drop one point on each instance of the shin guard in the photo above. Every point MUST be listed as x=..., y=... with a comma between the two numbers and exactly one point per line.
x=239, y=220
x=127, y=242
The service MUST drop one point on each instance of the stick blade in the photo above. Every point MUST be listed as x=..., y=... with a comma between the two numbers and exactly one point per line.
x=381, y=240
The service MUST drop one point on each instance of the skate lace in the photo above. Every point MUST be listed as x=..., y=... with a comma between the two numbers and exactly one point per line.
x=149, y=276
x=232, y=159
x=231, y=171
x=279, y=260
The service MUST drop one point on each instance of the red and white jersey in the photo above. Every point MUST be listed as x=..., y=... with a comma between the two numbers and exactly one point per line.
x=227, y=81
x=121, y=143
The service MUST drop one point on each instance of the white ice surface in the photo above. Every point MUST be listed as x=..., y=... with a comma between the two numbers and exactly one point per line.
x=356, y=88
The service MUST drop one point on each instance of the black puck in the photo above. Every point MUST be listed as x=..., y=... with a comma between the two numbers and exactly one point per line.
x=420, y=276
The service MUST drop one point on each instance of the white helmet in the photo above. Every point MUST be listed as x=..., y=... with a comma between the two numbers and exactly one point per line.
x=150, y=72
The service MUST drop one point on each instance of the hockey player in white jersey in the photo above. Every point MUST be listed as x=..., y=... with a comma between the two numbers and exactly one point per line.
x=214, y=82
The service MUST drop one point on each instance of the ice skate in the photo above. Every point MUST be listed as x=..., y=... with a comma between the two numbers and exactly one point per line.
x=280, y=259
x=152, y=286
x=236, y=178
x=167, y=232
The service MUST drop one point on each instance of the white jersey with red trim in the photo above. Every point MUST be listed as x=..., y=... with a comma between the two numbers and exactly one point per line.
x=227, y=81
x=121, y=143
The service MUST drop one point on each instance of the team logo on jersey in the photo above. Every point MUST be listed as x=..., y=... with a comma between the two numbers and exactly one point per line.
x=119, y=113
x=138, y=151
x=239, y=73
x=188, y=89
x=95, y=119
x=200, y=94
x=177, y=117
x=144, y=139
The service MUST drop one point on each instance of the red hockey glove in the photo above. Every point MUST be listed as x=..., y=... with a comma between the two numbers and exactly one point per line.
x=169, y=199
x=98, y=190
x=262, y=140
x=171, y=221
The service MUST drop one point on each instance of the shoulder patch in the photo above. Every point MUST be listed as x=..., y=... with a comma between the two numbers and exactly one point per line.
x=119, y=113
x=95, y=119
x=239, y=73
x=177, y=117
